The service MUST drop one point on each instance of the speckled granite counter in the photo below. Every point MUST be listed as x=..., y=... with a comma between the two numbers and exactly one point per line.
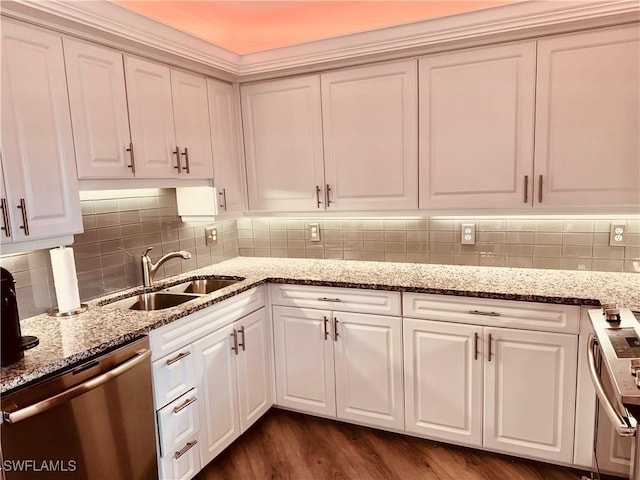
x=66, y=341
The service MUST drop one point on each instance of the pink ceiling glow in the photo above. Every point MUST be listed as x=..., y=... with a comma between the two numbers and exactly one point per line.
x=252, y=26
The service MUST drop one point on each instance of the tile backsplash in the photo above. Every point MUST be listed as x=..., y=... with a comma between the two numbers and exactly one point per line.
x=117, y=231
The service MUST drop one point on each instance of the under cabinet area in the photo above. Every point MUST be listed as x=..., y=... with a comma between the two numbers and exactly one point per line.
x=469, y=381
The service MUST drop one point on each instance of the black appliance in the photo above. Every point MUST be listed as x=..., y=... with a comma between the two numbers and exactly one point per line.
x=12, y=343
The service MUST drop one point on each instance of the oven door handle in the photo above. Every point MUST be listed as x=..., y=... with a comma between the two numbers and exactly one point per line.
x=624, y=426
x=76, y=391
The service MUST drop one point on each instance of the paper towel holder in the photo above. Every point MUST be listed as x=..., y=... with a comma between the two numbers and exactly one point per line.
x=55, y=312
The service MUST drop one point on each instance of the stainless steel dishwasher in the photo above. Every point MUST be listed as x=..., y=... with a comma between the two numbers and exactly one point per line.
x=95, y=421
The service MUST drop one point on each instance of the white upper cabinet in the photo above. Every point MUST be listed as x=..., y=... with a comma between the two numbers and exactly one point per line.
x=191, y=115
x=151, y=117
x=227, y=160
x=283, y=144
x=98, y=101
x=370, y=128
x=37, y=143
x=476, y=127
x=587, y=121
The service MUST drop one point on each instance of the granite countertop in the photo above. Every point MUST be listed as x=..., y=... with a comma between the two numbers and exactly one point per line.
x=66, y=341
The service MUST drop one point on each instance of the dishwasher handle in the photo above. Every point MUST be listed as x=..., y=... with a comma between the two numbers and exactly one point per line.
x=624, y=426
x=77, y=390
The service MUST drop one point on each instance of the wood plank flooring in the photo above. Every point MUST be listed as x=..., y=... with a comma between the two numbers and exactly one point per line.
x=291, y=446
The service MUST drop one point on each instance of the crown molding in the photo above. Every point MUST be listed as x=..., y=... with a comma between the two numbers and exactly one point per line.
x=108, y=23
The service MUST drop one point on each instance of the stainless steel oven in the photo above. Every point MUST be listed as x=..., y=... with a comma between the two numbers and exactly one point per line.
x=95, y=421
x=614, y=365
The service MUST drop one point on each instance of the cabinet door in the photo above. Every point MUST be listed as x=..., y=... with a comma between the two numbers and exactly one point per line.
x=368, y=366
x=587, y=121
x=254, y=368
x=370, y=127
x=530, y=390
x=216, y=378
x=191, y=116
x=283, y=144
x=98, y=101
x=476, y=127
x=443, y=365
x=38, y=157
x=227, y=162
x=151, y=117
x=303, y=347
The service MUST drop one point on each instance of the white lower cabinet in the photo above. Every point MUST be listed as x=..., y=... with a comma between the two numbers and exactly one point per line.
x=234, y=376
x=508, y=390
x=364, y=351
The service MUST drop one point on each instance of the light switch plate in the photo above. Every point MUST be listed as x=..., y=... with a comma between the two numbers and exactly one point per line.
x=618, y=235
x=468, y=234
x=211, y=235
x=314, y=232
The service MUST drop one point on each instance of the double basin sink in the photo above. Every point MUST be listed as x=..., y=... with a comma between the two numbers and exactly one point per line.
x=174, y=295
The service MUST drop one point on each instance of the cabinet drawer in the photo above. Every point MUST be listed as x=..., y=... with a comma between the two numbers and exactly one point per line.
x=172, y=376
x=338, y=299
x=183, y=463
x=499, y=313
x=182, y=332
x=178, y=422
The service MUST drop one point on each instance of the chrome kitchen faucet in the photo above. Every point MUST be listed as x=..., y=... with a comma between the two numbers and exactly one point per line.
x=149, y=269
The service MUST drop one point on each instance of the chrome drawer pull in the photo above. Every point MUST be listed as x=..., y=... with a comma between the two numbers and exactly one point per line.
x=326, y=330
x=490, y=352
x=234, y=347
x=325, y=299
x=526, y=189
x=475, y=346
x=186, y=403
x=318, y=202
x=187, y=166
x=133, y=162
x=179, y=164
x=335, y=329
x=241, y=331
x=178, y=357
x=487, y=314
x=5, y=218
x=25, y=219
x=223, y=203
x=184, y=449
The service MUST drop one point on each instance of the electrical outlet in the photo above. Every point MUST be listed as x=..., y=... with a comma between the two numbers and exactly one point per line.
x=468, y=234
x=314, y=232
x=618, y=235
x=211, y=235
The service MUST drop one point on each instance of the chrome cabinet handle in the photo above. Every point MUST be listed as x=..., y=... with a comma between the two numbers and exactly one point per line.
x=318, y=202
x=177, y=154
x=234, y=347
x=335, y=329
x=325, y=299
x=490, y=353
x=186, y=160
x=133, y=162
x=177, y=358
x=223, y=203
x=184, y=449
x=625, y=426
x=326, y=329
x=540, y=189
x=487, y=314
x=73, y=392
x=5, y=218
x=241, y=331
x=475, y=346
x=25, y=220
x=526, y=189
x=186, y=403
x=328, y=195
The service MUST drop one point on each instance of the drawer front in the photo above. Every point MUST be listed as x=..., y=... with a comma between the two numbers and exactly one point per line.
x=182, y=464
x=178, y=422
x=184, y=331
x=544, y=317
x=173, y=376
x=338, y=299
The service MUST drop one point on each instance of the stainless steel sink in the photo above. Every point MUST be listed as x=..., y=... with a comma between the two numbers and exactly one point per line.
x=154, y=301
x=202, y=286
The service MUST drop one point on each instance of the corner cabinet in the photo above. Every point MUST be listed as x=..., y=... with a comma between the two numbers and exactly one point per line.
x=370, y=128
x=38, y=159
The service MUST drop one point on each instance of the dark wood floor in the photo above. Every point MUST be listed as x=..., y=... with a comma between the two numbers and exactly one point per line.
x=287, y=445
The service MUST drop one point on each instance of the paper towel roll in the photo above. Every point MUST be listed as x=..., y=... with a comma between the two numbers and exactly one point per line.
x=65, y=279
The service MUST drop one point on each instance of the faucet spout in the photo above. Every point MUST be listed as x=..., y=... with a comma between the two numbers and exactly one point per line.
x=149, y=269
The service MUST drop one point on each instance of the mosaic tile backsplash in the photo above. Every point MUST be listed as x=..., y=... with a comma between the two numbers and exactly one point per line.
x=117, y=231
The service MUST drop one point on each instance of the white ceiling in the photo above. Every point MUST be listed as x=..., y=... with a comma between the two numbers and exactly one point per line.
x=245, y=27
